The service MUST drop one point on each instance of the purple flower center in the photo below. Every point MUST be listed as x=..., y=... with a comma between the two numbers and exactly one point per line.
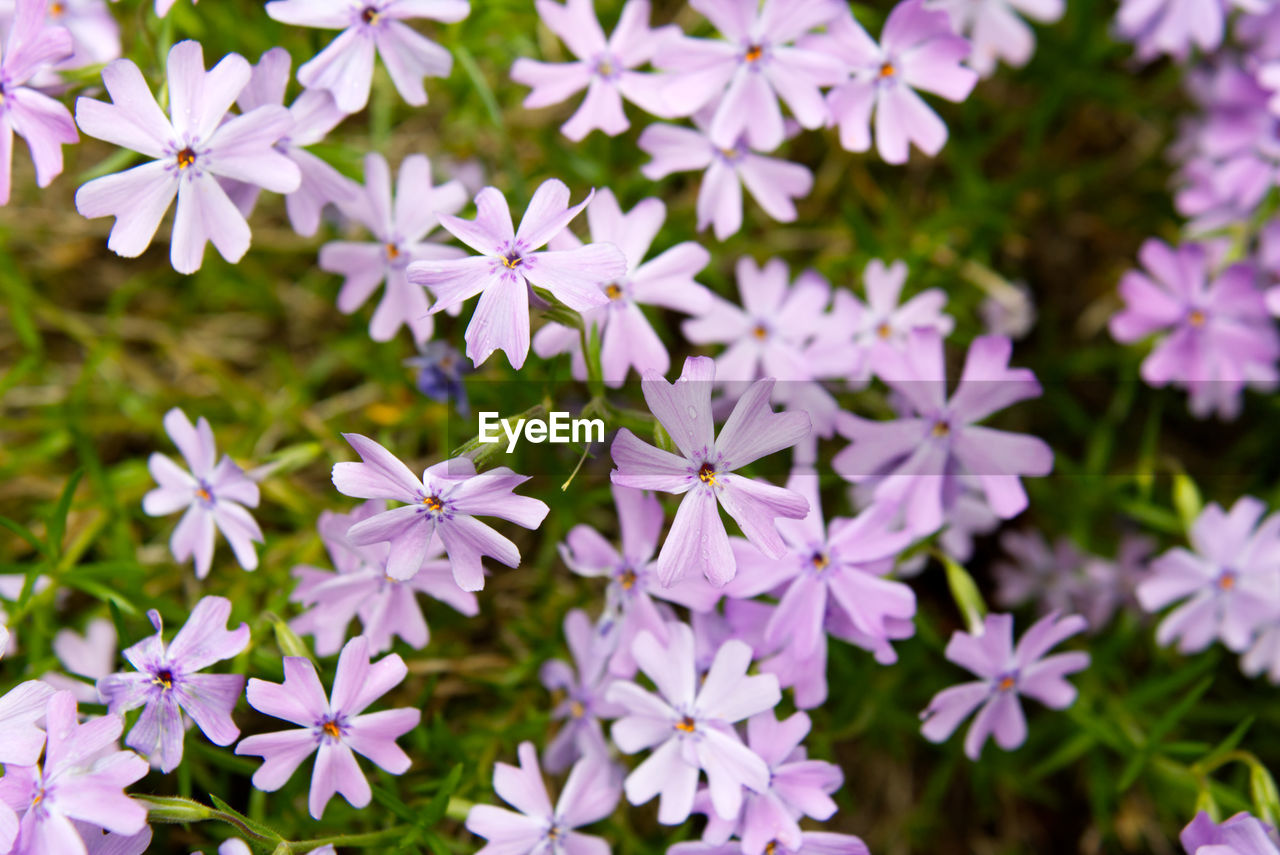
x=820, y=561
x=686, y=725
x=204, y=494
x=606, y=66
x=707, y=474
x=577, y=709
x=1227, y=580
x=753, y=54
x=1197, y=317
x=627, y=578
x=941, y=428
x=163, y=678
x=1007, y=681
x=512, y=260
x=887, y=70
x=186, y=157
x=331, y=728
x=433, y=503
x=370, y=15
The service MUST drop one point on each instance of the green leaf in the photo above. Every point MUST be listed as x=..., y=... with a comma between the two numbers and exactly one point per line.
x=1163, y=726
x=1266, y=799
x=1186, y=499
x=58, y=520
x=965, y=592
x=662, y=439
x=435, y=809
x=250, y=826
x=25, y=533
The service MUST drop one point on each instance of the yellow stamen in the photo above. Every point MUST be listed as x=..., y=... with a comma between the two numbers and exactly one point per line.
x=771, y=847
x=686, y=725
x=512, y=261
x=820, y=561
x=331, y=729
x=1227, y=581
x=577, y=709
x=56, y=10
x=186, y=157
x=204, y=495
x=613, y=292
x=627, y=580
x=884, y=330
x=760, y=332
x=754, y=53
x=393, y=252
x=433, y=503
x=1197, y=318
x=887, y=70
x=941, y=428
x=707, y=474
x=1006, y=683
x=38, y=799
x=164, y=680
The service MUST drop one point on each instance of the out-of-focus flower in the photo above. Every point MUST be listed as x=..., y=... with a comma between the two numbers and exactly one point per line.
x=919, y=461
x=95, y=35
x=584, y=684
x=1230, y=584
x=996, y=29
x=627, y=339
x=606, y=68
x=1174, y=27
x=1006, y=672
x=1035, y=571
x=1010, y=313
x=703, y=470
x=92, y=655
x=191, y=151
x=443, y=504
x=167, y=682
x=509, y=266
x=885, y=320
x=213, y=496
x=33, y=45
x=99, y=841
x=1242, y=834
x=345, y=67
x=400, y=227
x=440, y=369
x=1220, y=339
x=332, y=728
x=690, y=726
x=590, y=794
x=236, y=846
x=741, y=77
x=363, y=588
x=917, y=51
x=811, y=843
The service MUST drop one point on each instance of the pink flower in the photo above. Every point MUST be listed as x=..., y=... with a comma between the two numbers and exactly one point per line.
x=996, y=30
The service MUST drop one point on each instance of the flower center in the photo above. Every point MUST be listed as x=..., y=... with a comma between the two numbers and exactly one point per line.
x=612, y=291
x=393, y=251
x=707, y=474
x=433, y=503
x=163, y=679
x=884, y=330
x=331, y=730
x=1227, y=580
x=754, y=53
x=686, y=725
x=887, y=70
x=1196, y=318
x=38, y=799
x=760, y=332
x=511, y=260
x=56, y=10
x=941, y=428
x=370, y=15
x=577, y=709
x=771, y=847
x=1006, y=683
x=820, y=561
x=628, y=578
x=203, y=494
x=186, y=157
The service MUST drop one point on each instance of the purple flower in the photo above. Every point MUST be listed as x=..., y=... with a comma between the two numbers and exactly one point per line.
x=703, y=470
x=798, y=787
x=83, y=778
x=20, y=739
x=400, y=227
x=32, y=46
x=1036, y=571
x=1006, y=672
x=584, y=684
x=213, y=495
x=191, y=152
x=362, y=588
x=509, y=266
x=1173, y=28
x=919, y=460
x=1220, y=338
x=314, y=114
x=331, y=728
x=99, y=841
x=742, y=76
x=1242, y=834
x=92, y=655
x=811, y=843
x=885, y=320
x=167, y=682
x=1229, y=583
x=627, y=339
x=590, y=794
x=444, y=504
x=774, y=184
x=345, y=67
x=995, y=29
x=605, y=68
x=633, y=574
x=917, y=51
x=690, y=725
x=95, y=35
x=440, y=369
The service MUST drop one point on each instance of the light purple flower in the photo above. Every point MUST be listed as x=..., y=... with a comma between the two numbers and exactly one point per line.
x=742, y=76
x=314, y=114
x=167, y=681
x=1220, y=338
x=191, y=151
x=444, y=504
x=590, y=794
x=1033, y=570
x=21, y=709
x=213, y=495
x=703, y=470
x=82, y=778
x=362, y=588
x=1174, y=27
x=996, y=30
x=774, y=184
x=690, y=725
x=509, y=267
x=627, y=339
x=798, y=787
x=885, y=320
x=99, y=841
x=332, y=728
x=811, y=843
x=92, y=655
x=920, y=459
x=33, y=45
x=1005, y=672
x=584, y=684
x=633, y=575
x=1230, y=584
x=1242, y=834
x=95, y=35
x=604, y=67
x=400, y=227
x=917, y=51
x=440, y=371
x=345, y=67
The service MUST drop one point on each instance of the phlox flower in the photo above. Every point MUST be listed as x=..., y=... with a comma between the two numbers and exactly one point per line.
x=443, y=504
x=919, y=460
x=167, y=682
x=690, y=725
x=22, y=708
x=1242, y=834
x=92, y=655
x=606, y=68
x=703, y=470
x=440, y=370
x=627, y=339
x=584, y=684
x=741, y=77
x=1230, y=584
x=1175, y=27
x=510, y=265
x=362, y=588
x=996, y=30
x=1005, y=672
x=33, y=45
x=11, y=585
x=191, y=150
x=345, y=67
x=95, y=35
x=400, y=227
x=99, y=841
x=885, y=320
x=811, y=843
x=214, y=496
x=82, y=778
x=632, y=572
x=774, y=184
x=1034, y=570
x=590, y=794
x=917, y=51
x=236, y=846
x=332, y=728
x=1219, y=336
